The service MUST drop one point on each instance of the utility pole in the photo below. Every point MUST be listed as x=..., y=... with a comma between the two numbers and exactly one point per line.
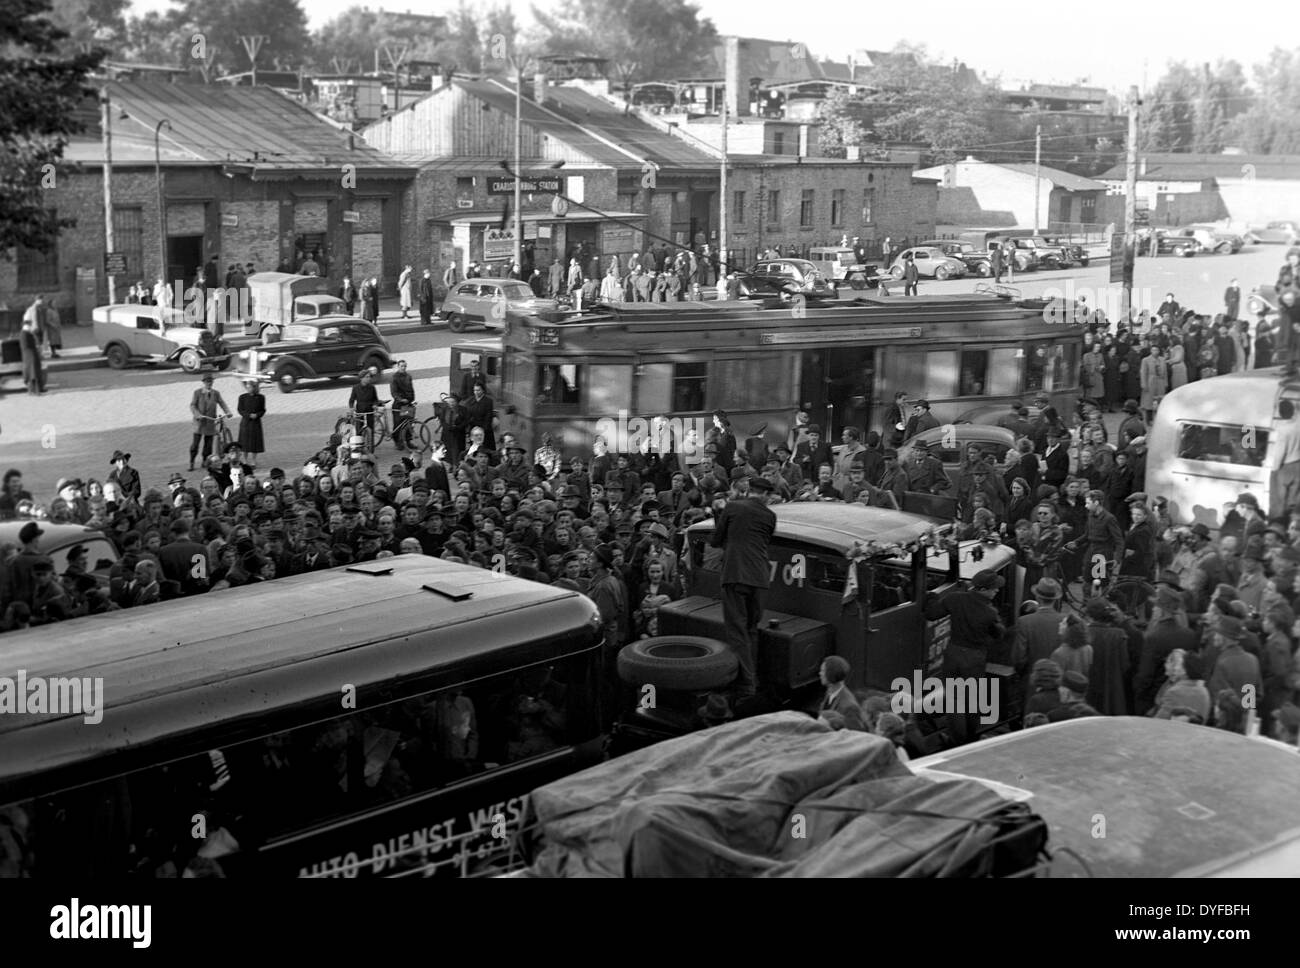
x=396, y=57
x=109, y=245
x=722, y=190
x=519, y=175
x=1130, y=205
x=1038, y=163
x=162, y=203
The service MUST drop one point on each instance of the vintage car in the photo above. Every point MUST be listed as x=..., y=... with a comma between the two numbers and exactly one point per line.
x=977, y=261
x=1169, y=242
x=59, y=539
x=1284, y=233
x=1071, y=253
x=791, y=276
x=840, y=265
x=487, y=301
x=1215, y=239
x=931, y=262
x=311, y=349
x=127, y=333
x=949, y=444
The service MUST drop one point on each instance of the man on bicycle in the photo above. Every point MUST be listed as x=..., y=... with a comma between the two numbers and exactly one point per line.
x=1102, y=540
x=363, y=402
x=403, y=407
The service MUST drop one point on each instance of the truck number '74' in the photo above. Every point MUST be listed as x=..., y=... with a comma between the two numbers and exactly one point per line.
x=793, y=573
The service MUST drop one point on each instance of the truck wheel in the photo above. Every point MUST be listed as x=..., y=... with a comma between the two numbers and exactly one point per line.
x=456, y=323
x=117, y=356
x=287, y=378
x=685, y=663
x=190, y=361
x=941, y=273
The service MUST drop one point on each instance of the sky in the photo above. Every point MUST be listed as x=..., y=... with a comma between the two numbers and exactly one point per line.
x=1108, y=43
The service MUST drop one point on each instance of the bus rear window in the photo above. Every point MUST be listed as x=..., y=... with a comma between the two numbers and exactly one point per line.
x=1216, y=444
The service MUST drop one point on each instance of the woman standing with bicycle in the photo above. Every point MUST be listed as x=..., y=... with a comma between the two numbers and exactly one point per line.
x=252, y=408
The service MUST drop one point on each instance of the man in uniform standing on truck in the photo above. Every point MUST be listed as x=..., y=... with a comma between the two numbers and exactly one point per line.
x=975, y=628
x=743, y=531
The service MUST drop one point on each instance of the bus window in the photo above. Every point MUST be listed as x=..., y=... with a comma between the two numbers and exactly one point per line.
x=974, y=373
x=689, y=380
x=558, y=384
x=143, y=823
x=1221, y=445
x=1036, y=359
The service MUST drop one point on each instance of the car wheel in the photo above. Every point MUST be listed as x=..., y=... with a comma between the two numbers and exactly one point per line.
x=117, y=356
x=374, y=361
x=857, y=281
x=984, y=270
x=685, y=663
x=287, y=378
x=190, y=361
x=941, y=273
x=1183, y=251
x=896, y=272
x=456, y=323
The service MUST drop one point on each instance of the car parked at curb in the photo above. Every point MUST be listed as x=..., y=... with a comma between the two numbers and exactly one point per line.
x=311, y=349
x=978, y=263
x=128, y=333
x=840, y=265
x=1215, y=239
x=931, y=263
x=487, y=301
x=792, y=276
x=1283, y=233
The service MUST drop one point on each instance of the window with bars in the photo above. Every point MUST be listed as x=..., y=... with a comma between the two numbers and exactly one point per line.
x=837, y=207
x=806, y=207
x=774, y=206
x=128, y=239
x=868, y=205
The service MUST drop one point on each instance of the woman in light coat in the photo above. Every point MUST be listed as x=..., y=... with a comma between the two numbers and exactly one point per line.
x=1155, y=381
x=404, y=291
x=1177, y=363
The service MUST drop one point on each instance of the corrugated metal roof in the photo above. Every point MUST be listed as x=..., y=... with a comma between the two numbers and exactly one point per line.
x=1201, y=167
x=217, y=124
x=626, y=129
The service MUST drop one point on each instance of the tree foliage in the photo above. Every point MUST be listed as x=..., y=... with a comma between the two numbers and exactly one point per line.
x=1192, y=108
x=1270, y=121
x=840, y=127
x=41, y=90
x=659, y=41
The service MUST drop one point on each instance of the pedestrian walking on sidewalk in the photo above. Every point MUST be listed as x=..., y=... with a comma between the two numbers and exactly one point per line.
x=404, y=291
x=52, y=325
x=426, y=299
x=374, y=298
x=367, y=304
x=30, y=343
x=348, y=293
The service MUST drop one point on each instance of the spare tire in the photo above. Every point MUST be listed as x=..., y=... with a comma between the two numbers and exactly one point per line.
x=687, y=663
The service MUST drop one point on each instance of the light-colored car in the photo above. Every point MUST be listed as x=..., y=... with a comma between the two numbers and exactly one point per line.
x=1176, y=800
x=59, y=539
x=978, y=263
x=1283, y=233
x=1216, y=239
x=840, y=265
x=128, y=333
x=487, y=301
x=931, y=263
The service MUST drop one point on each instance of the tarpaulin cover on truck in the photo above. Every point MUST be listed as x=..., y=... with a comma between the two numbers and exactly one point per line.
x=781, y=795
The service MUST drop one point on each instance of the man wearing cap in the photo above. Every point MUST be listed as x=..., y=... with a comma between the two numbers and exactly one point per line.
x=403, y=390
x=653, y=546
x=1056, y=459
x=203, y=409
x=50, y=602
x=893, y=477
x=609, y=594
x=1074, y=687
x=1017, y=421
x=1202, y=569
x=787, y=468
x=975, y=629
x=926, y=473
x=19, y=574
x=743, y=532
x=1233, y=668
x=1245, y=520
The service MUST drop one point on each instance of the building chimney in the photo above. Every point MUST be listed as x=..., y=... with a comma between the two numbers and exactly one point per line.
x=539, y=87
x=737, y=94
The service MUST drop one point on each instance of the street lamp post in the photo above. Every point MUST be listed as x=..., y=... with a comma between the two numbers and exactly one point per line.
x=162, y=211
x=519, y=86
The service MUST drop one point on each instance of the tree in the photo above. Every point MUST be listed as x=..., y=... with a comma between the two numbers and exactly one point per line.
x=91, y=23
x=840, y=128
x=665, y=40
x=40, y=93
x=1270, y=123
x=352, y=38
x=198, y=26
x=944, y=106
x=1191, y=109
x=463, y=47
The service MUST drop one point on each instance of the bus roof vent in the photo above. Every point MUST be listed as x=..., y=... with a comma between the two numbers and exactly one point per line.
x=372, y=568
x=453, y=592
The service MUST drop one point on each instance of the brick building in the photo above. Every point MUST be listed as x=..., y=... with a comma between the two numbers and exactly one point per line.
x=629, y=183
x=247, y=176
x=800, y=202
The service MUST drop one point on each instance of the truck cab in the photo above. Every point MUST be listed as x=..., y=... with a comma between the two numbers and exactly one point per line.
x=277, y=299
x=847, y=580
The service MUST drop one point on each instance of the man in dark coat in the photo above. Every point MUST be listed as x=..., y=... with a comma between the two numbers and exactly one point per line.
x=364, y=298
x=1168, y=631
x=184, y=560
x=403, y=390
x=426, y=299
x=743, y=531
x=1108, y=676
x=975, y=629
x=1231, y=301
x=478, y=413
x=33, y=368
x=348, y=293
x=921, y=420
x=810, y=454
x=1056, y=460
x=911, y=276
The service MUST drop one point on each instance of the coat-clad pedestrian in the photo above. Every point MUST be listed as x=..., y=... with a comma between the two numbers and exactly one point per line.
x=374, y=299
x=405, y=284
x=203, y=409
x=426, y=298
x=348, y=293
x=252, y=408
x=33, y=368
x=363, y=296
x=743, y=532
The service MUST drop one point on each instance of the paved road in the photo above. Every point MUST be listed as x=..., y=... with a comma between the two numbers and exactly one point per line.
x=75, y=429
x=89, y=413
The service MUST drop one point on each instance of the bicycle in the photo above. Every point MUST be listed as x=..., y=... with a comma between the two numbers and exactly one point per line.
x=1129, y=593
x=373, y=432
x=224, y=437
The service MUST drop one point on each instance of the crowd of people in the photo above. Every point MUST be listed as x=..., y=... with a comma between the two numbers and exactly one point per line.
x=1068, y=498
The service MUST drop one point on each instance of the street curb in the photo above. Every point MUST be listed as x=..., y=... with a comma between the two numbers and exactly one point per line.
x=88, y=362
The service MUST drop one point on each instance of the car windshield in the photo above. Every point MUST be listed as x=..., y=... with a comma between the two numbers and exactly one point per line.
x=299, y=334
x=516, y=290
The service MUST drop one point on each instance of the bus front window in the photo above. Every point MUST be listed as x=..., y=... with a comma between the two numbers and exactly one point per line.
x=1222, y=445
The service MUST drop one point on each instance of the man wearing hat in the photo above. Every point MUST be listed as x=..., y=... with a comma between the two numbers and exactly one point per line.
x=787, y=468
x=653, y=546
x=1232, y=667
x=924, y=472
x=514, y=471
x=609, y=594
x=812, y=453
x=743, y=532
x=1166, y=632
x=975, y=629
x=893, y=476
x=1201, y=570
x=19, y=575
x=203, y=409
x=1056, y=459
x=1038, y=634
x=1244, y=520
x=50, y=602
x=715, y=711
